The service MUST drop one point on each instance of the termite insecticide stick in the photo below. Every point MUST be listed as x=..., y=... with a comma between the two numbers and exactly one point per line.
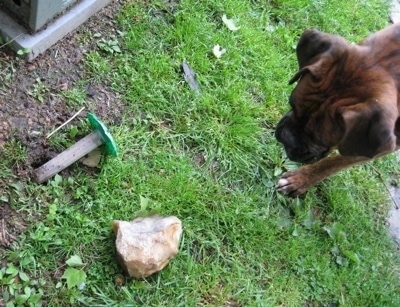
x=69, y=156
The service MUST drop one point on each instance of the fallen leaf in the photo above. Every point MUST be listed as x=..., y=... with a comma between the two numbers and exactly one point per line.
x=190, y=77
x=229, y=23
x=218, y=51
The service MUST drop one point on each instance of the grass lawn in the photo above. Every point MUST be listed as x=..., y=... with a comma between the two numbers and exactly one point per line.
x=211, y=160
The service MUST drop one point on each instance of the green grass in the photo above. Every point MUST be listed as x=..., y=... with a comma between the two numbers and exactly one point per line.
x=212, y=161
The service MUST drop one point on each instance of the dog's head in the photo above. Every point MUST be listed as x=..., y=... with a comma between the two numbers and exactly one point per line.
x=340, y=101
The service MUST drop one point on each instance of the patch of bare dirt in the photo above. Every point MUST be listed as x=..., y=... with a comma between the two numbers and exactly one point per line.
x=23, y=116
x=32, y=102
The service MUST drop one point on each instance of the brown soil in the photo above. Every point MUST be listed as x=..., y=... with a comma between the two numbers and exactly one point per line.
x=26, y=119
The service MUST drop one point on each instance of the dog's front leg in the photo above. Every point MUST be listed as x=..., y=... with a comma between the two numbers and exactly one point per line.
x=294, y=183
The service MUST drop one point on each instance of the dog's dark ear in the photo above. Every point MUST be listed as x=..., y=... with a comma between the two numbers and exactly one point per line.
x=298, y=75
x=367, y=132
x=312, y=46
x=315, y=70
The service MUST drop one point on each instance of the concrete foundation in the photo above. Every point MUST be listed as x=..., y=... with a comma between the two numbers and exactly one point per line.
x=35, y=14
x=39, y=42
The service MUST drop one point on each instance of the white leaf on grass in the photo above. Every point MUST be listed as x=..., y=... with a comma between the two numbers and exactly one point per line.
x=229, y=23
x=218, y=51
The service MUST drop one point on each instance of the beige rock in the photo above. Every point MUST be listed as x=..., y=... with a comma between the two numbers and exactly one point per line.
x=92, y=159
x=146, y=245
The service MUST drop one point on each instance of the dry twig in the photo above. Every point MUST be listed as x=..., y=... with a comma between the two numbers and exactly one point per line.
x=75, y=115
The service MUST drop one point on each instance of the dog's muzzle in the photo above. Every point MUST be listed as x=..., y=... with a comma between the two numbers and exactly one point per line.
x=297, y=144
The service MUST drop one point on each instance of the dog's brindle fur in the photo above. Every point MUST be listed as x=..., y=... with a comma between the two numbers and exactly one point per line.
x=347, y=98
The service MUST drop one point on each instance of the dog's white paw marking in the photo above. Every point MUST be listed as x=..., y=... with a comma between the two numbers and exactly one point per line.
x=282, y=182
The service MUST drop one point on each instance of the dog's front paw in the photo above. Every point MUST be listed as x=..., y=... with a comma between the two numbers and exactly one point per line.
x=293, y=183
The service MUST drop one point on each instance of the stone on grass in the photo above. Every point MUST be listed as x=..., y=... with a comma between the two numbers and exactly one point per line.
x=147, y=244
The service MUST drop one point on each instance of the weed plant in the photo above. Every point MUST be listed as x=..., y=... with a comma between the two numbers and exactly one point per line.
x=211, y=160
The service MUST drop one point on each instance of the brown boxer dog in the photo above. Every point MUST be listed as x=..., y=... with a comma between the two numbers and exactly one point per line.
x=346, y=98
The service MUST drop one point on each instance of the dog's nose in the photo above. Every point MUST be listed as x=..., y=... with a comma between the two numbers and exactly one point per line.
x=296, y=155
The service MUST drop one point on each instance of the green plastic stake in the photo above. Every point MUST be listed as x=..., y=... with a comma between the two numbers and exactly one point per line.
x=98, y=137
